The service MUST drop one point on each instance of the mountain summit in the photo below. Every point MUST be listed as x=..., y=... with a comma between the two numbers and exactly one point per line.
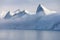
x=40, y=11
x=39, y=8
x=44, y=9
x=20, y=14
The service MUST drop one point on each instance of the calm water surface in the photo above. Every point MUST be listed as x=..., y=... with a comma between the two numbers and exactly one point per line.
x=29, y=35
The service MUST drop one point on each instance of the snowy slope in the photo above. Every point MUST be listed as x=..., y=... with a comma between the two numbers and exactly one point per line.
x=20, y=13
x=44, y=9
x=48, y=11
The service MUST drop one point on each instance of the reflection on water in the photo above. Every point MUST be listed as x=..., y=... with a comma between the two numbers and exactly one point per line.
x=29, y=35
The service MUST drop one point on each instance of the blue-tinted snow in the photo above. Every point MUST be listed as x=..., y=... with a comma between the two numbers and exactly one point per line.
x=39, y=21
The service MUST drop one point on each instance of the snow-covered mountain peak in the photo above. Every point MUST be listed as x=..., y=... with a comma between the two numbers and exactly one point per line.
x=47, y=11
x=17, y=11
x=40, y=11
x=26, y=11
x=39, y=8
x=44, y=9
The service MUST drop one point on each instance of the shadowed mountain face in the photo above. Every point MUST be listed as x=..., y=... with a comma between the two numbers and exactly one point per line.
x=8, y=16
x=19, y=14
x=39, y=8
x=40, y=11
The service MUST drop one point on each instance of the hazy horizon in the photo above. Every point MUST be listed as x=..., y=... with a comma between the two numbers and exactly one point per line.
x=29, y=5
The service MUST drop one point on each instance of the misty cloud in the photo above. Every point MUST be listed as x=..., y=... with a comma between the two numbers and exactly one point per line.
x=37, y=21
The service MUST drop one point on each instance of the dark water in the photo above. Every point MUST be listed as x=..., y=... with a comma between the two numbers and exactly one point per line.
x=29, y=35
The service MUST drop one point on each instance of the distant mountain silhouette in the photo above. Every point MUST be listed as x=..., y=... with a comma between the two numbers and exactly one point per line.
x=39, y=8
x=40, y=11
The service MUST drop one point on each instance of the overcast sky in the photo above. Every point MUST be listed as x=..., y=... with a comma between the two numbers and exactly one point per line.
x=29, y=5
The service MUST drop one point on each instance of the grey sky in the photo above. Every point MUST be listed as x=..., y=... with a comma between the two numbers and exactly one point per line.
x=30, y=5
